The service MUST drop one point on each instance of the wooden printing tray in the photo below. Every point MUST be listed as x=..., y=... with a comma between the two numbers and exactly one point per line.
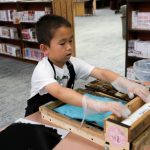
x=105, y=138
x=90, y=132
x=122, y=136
x=107, y=88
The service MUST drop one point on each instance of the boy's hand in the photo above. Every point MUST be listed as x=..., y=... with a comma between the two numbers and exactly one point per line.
x=116, y=108
x=125, y=86
x=92, y=106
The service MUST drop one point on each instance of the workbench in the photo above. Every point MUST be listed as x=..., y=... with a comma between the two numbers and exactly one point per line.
x=71, y=141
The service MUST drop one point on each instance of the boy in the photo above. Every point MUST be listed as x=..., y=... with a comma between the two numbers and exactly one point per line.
x=54, y=76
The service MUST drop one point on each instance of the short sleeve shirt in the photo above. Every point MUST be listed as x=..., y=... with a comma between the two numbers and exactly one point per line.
x=43, y=74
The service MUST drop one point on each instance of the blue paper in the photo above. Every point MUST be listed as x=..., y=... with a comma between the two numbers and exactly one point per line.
x=77, y=112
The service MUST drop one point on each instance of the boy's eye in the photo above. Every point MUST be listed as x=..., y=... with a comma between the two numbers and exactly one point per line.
x=63, y=43
x=70, y=41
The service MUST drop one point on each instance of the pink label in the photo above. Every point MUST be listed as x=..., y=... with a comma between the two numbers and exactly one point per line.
x=116, y=135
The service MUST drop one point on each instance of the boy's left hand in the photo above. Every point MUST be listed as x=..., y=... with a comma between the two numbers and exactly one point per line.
x=139, y=90
x=126, y=86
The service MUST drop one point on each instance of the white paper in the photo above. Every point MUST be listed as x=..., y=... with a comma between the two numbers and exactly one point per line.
x=137, y=114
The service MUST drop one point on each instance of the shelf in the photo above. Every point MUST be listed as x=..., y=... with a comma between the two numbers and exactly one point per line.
x=137, y=1
x=135, y=58
x=28, y=23
x=30, y=41
x=138, y=30
x=2, y=21
x=7, y=2
x=30, y=59
x=58, y=7
x=141, y=47
x=19, y=58
x=34, y=1
x=11, y=56
x=5, y=38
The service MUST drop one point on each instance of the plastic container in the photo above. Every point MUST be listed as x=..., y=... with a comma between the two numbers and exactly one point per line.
x=142, y=69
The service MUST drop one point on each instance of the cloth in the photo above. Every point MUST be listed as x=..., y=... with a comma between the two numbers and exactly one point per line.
x=36, y=101
x=20, y=136
x=43, y=74
x=78, y=113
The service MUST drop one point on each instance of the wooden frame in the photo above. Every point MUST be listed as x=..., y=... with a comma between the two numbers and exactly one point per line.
x=122, y=138
x=87, y=131
x=123, y=135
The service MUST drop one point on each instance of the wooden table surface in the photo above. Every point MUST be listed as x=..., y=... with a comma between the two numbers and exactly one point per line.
x=71, y=141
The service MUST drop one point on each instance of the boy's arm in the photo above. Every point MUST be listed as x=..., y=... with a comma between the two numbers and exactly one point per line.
x=104, y=74
x=64, y=94
x=74, y=98
x=121, y=84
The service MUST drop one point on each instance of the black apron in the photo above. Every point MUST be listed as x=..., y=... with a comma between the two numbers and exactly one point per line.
x=36, y=101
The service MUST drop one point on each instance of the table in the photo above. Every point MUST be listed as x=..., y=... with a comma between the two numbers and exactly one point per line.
x=71, y=141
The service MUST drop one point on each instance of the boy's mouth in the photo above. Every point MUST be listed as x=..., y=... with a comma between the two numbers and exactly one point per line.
x=68, y=54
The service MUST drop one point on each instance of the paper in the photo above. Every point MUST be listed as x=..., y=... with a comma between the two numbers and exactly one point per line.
x=137, y=114
x=76, y=112
x=60, y=131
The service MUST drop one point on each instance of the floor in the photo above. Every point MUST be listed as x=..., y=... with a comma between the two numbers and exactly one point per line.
x=98, y=41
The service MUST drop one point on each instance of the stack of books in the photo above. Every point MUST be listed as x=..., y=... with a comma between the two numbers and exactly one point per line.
x=141, y=20
x=139, y=48
x=33, y=54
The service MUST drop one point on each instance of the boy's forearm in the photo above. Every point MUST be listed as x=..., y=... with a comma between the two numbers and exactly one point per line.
x=65, y=94
x=104, y=74
x=72, y=97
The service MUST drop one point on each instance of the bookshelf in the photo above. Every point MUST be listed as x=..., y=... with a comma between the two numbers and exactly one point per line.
x=17, y=26
x=138, y=30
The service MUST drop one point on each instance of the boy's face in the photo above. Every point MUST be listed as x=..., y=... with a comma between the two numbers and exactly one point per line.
x=60, y=49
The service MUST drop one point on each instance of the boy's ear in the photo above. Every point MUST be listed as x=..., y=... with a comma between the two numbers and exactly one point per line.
x=44, y=49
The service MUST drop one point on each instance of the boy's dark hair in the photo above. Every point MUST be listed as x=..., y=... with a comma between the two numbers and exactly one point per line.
x=46, y=27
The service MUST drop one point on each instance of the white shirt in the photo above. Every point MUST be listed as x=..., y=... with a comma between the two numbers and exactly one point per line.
x=43, y=74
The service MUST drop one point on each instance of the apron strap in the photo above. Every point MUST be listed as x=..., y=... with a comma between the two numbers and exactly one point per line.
x=72, y=73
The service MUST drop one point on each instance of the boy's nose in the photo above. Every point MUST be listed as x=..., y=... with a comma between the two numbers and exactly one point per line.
x=69, y=46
